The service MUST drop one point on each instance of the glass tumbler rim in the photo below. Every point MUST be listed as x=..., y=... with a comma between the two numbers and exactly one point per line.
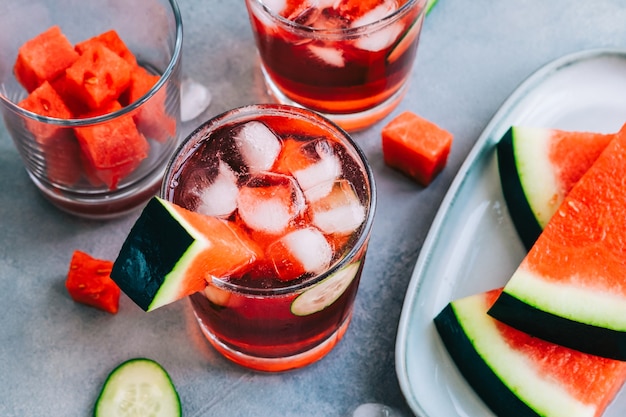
x=187, y=145
x=88, y=121
x=341, y=33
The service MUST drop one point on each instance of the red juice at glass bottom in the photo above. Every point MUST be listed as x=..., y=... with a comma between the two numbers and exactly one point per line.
x=338, y=72
x=305, y=208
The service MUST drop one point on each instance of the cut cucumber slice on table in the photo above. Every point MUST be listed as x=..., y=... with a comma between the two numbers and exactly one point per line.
x=136, y=388
x=324, y=293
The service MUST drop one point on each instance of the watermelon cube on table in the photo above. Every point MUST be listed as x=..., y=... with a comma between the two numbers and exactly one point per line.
x=58, y=144
x=43, y=58
x=518, y=375
x=88, y=282
x=98, y=76
x=112, y=40
x=112, y=149
x=416, y=147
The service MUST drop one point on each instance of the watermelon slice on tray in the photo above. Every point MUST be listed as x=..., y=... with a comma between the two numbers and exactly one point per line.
x=538, y=167
x=570, y=289
x=518, y=375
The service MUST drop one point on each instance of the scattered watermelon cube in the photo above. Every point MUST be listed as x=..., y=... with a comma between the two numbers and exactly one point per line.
x=113, y=149
x=111, y=40
x=89, y=282
x=43, y=58
x=98, y=76
x=58, y=144
x=416, y=147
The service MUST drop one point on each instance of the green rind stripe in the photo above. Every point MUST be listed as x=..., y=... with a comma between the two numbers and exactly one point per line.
x=536, y=171
x=506, y=371
x=586, y=338
x=522, y=215
x=497, y=396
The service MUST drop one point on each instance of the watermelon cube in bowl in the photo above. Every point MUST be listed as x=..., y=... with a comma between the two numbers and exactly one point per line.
x=93, y=140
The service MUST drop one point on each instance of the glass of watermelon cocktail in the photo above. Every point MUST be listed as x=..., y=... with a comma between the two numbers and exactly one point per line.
x=302, y=195
x=347, y=59
x=89, y=92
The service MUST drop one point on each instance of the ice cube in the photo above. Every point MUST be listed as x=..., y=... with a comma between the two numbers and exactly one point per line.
x=259, y=146
x=316, y=179
x=326, y=4
x=269, y=202
x=332, y=57
x=196, y=181
x=194, y=99
x=381, y=38
x=299, y=252
x=340, y=212
x=220, y=197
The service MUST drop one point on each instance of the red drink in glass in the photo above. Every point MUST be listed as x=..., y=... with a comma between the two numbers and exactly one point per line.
x=347, y=59
x=300, y=196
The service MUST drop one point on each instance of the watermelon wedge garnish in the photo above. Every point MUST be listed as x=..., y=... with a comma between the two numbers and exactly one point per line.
x=172, y=252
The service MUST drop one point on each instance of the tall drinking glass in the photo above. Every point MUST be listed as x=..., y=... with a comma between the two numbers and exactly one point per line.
x=300, y=194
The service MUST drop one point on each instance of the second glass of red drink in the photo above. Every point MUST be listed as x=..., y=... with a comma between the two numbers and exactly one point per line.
x=347, y=59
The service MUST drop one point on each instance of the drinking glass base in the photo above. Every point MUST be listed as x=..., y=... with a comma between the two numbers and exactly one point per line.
x=352, y=122
x=276, y=364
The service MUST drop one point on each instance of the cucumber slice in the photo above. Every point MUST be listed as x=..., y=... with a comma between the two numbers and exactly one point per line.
x=325, y=292
x=136, y=388
x=405, y=41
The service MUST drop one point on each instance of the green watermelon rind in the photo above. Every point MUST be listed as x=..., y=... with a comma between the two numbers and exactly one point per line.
x=152, y=263
x=537, y=175
x=503, y=378
x=558, y=313
x=527, y=180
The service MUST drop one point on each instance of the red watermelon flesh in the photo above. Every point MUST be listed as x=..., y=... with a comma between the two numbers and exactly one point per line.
x=151, y=118
x=58, y=144
x=574, y=276
x=573, y=153
x=112, y=150
x=416, y=147
x=43, y=58
x=548, y=378
x=112, y=40
x=98, y=76
x=538, y=167
x=88, y=282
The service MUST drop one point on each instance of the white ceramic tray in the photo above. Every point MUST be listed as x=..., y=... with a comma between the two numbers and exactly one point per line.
x=472, y=245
